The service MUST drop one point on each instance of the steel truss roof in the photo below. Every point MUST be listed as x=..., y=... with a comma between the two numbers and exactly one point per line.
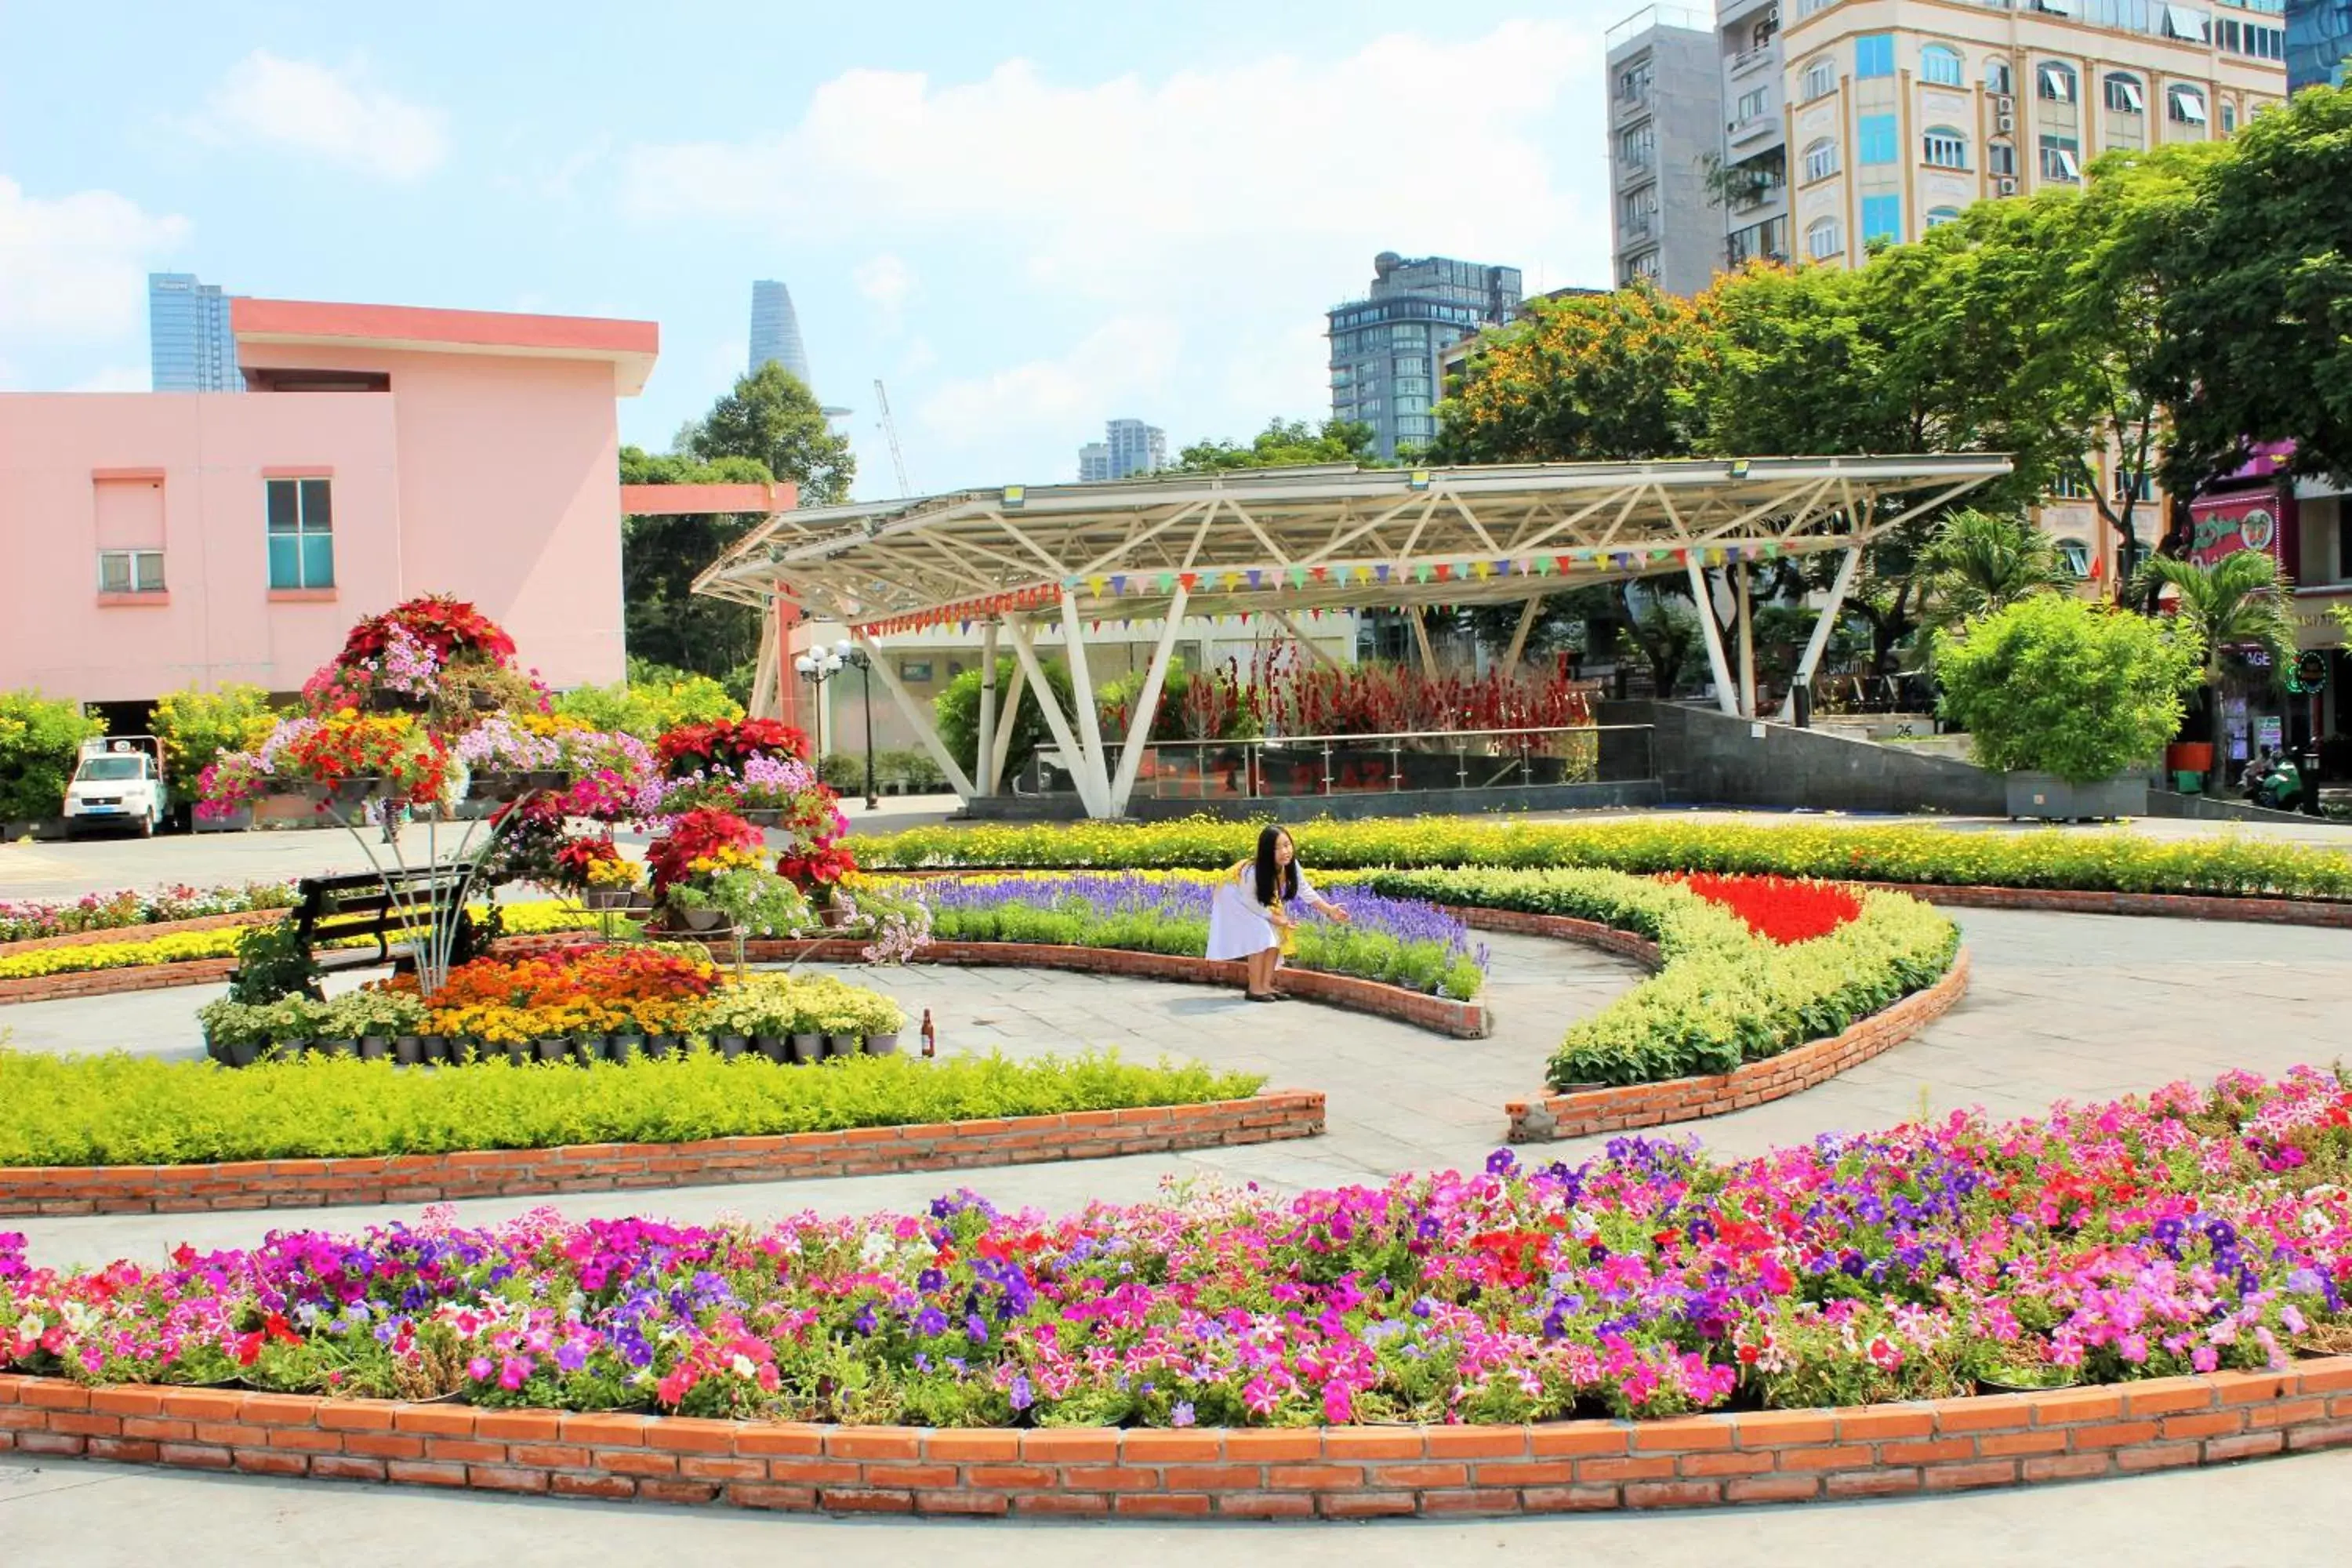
x=1324, y=536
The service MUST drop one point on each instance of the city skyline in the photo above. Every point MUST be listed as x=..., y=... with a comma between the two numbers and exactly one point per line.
x=189, y=345
x=953, y=201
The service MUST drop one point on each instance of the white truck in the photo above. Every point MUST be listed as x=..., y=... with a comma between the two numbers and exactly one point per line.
x=119, y=783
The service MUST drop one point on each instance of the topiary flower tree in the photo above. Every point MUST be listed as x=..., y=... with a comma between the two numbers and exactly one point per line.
x=2056, y=685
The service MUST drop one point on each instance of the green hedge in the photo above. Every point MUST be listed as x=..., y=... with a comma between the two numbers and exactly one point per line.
x=2105, y=861
x=119, y=1109
x=1724, y=996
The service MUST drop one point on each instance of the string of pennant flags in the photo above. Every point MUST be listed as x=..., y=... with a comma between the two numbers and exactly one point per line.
x=1278, y=579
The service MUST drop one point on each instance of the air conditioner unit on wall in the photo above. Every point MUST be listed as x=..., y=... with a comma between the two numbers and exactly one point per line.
x=2004, y=122
x=2003, y=103
x=2005, y=186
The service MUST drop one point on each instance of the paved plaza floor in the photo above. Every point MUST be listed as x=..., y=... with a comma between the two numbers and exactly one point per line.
x=2060, y=1007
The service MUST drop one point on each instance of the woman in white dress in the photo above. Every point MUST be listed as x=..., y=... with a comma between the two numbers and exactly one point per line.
x=1255, y=907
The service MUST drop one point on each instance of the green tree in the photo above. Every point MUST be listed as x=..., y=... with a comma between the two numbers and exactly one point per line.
x=2256, y=296
x=2054, y=684
x=1583, y=378
x=667, y=621
x=772, y=418
x=40, y=743
x=2235, y=603
x=957, y=711
x=1286, y=443
x=1980, y=562
x=195, y=726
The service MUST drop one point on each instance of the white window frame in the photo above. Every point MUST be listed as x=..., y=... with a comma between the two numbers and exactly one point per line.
x=2184, y=104
x=1824, y=238
x=2065, y=160
x=2076, y=554
x=1821, y=159
x=1821, y=78
x=1943, y=52
x=1945, y=138
x=2120, y=85
x=1938, y=217
x=2058, y=81
x=1751, y=105
x=2190, y=27
x=134, y=562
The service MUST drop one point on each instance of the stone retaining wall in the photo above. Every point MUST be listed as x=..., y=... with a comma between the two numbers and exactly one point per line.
x=1353, y=1472
x=600, y=1167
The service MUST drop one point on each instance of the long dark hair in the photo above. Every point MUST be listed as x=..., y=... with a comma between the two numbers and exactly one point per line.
x=1266, y=870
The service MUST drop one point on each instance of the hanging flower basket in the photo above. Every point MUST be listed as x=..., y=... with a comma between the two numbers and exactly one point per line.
x=496, y=786
x=388, y=702
x=547, y=779
x=607, y=900
x=760, y=816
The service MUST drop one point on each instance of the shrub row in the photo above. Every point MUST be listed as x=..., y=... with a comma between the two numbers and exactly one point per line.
x=538, y=915
x=2226, y=865
x=1724, y=996
x=120, y=1109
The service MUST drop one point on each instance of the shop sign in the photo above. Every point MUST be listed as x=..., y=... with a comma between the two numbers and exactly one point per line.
x=2222, y=528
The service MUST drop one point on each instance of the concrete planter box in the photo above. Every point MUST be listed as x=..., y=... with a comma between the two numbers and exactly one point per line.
x=2052, y=799
x=237, y=821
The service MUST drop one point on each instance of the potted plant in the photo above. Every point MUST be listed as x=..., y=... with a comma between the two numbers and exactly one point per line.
x=818, y=870
x=689, y=860
x=881, y=1021
x=2070, y=699
x=843, y=1025
x=234, y=1031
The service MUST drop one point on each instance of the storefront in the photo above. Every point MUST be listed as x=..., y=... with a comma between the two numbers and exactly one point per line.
x=2254, y=508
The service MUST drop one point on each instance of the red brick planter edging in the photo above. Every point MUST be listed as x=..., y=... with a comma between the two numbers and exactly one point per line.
x=1339, y=1472
x=1463, y=1020
x=112, y=982
x=147, y=932
x=600, y=1167
x=2170, y=905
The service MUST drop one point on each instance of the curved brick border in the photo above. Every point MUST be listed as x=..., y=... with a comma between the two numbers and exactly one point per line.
x=600, y=1167
x=152, y=930
x=1794, y=1455
x=2172, y=906
x=109, y=982
x=1463, y=1020
x=1620, y=1107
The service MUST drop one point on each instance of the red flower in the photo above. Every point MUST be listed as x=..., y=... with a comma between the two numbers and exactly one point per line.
x=820, y=864
x=728, y=743
x=450, y=627
x=694, y=836
x=1780, y=909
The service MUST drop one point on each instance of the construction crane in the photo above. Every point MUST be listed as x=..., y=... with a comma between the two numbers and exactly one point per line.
x=891, y=429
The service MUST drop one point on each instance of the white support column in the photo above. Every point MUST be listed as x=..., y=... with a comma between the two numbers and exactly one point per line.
x=1307, y=645
x=1746, y=648
x=1704, y=592
x=917, y=715
x=1820, y=641
x=1026, y=650
x=1519, y=639
x=1421, y=637
x=1005, y=724
x=1082, y=698
x=1147, y=706
x=984, y=752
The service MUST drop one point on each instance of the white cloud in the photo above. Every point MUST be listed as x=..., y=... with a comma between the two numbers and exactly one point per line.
x=116, y=378
x=890, y=284
x=75, y=268
x=1095, y=182
x=1120, y=367
x=331, y=115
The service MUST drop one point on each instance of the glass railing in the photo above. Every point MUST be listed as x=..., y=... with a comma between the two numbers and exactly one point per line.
x=1415, y=761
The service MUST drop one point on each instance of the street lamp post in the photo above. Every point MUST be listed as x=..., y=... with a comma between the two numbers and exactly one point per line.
x=819, y=665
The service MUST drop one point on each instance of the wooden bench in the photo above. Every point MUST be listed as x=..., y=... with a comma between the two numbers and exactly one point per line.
x=333, y=910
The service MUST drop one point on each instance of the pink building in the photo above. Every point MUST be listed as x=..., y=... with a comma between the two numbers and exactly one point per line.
x=150, y=541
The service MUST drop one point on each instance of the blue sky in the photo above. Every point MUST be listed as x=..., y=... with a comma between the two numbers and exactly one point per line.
x=1025, y=218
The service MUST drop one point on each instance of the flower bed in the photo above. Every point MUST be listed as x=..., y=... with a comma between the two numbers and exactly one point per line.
x=2190, y=1232
x=2120, y=862
x=37, y=920
x=1724, y=994
x=1400, y=941
x=119, y=1109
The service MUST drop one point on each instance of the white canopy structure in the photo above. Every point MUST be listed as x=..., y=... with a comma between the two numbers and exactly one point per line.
x=1281, y=541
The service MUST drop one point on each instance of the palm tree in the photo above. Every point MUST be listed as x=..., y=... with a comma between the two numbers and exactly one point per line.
x=2233, y=604
x=1979, y=562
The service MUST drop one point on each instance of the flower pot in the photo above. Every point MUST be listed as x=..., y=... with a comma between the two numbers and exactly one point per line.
x=236, y=821
x=546, y=779
x=832, y=917
x=374, y=1047
x=762, y=816
x=661, y=1047
x=397, y=702
x=293, y=1045
x=336, y=1046
x=730, y=1047
x=494, y=786
x=241, y=1053
x=623, y=1047
x=775, y=1048
x=841, y=1044
x=408, y=1050
x=2052, y=799
x=585, y=1048
x=354, y=793
x=882, y=1044
x=552, y=1048
x=435, y=1049
x=517, y=1052
x=605, y=900
x=806, y=1048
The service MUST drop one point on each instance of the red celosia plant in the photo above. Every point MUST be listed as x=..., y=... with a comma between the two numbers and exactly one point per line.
x=1779, y=908
x=696, y=842
x=728, y=743
x=452, y=628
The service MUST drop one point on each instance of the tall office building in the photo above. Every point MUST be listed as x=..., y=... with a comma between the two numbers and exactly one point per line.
x=2318, y=43
x=189, y=345
x=1385, y=346
x=1665, y=92
x=1094, y=462
x=1127, y=447
x=776, y=331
